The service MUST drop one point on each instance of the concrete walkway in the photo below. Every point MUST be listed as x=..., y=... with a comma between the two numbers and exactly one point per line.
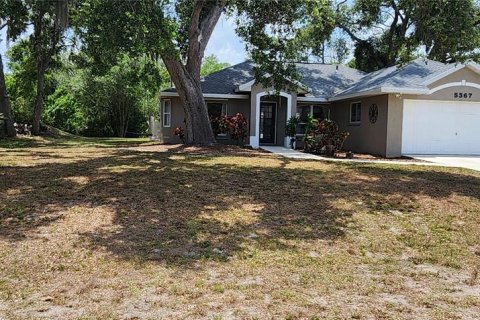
x=294, y=154
x=469, y=162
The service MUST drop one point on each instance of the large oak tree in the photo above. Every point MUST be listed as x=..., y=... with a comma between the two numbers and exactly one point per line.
x=386, y=32
x=179, y=31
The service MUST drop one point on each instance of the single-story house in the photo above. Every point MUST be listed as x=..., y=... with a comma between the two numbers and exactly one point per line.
x=424, y=107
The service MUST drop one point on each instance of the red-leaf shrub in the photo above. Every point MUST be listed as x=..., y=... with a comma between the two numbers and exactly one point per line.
x=236, y=126
x=220, y=125
x=324, y=137
x=178, y=131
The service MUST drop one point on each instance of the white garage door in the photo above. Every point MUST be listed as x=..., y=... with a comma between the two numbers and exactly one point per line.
x=441, y=127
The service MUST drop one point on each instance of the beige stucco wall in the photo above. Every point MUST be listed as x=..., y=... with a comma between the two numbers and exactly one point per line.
x=448, y=93
x=165, y=135
x=462, y=74
x=393, y=146
x=365, y=137
x=395, y=105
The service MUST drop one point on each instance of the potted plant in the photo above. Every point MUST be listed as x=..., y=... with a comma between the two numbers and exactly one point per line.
x=291, y=129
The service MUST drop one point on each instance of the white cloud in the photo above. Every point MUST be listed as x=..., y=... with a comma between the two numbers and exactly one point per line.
x=225, y=44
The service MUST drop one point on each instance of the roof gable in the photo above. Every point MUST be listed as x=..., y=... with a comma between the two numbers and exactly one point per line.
x=454, y=68
x=408, y=77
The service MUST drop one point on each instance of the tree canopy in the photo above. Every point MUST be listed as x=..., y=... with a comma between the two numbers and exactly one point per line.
x=387, y=32
x=79, y=84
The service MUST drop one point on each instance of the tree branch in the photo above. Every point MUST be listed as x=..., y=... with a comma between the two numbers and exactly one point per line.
x=350, y=33
x=209, y=23
x=391, y=32
x=199, y=34
x=194, y=38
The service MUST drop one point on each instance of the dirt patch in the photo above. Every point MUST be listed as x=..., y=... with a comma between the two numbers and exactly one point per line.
x=217, y=149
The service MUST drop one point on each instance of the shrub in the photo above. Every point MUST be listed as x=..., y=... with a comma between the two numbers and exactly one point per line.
x=220, y=125
x=63, y=111
x=178, y=131
x=236, y=126
x=324, y=137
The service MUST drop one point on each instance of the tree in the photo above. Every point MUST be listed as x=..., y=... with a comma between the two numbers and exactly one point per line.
x=211, y=64
x=5, y=103
x=449, y=29
x=179, y=32
x=386, y=32
x=122, y=94
x=22, y=80
x=340, y=50
x=12, y=18
x=49, y=19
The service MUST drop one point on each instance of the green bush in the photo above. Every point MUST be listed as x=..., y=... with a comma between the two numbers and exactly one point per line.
x=63, y=111
x=87, y=100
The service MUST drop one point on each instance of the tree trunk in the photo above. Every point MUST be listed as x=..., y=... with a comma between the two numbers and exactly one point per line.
x=198, y=129
x=37, y=112
x=5, y=103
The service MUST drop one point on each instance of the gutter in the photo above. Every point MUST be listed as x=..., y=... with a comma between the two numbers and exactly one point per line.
x=210, y=95
x=379, y=91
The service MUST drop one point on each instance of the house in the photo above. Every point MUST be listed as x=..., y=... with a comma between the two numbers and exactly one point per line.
x=424, y=107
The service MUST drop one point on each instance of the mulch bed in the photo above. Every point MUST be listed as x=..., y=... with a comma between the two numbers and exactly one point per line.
x=365, y=156
x=217, y=149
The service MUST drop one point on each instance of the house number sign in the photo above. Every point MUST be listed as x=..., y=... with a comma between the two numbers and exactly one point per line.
x=463, y=95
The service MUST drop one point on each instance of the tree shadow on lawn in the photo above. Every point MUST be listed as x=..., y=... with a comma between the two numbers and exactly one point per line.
x=180, y=208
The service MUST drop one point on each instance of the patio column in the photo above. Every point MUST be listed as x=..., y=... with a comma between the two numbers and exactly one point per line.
x=286, y=142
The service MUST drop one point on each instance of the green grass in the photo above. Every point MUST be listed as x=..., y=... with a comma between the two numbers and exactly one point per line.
x=124, y=228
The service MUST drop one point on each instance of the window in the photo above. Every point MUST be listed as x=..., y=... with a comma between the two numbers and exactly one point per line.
x=355, y=112
x=216, y=109
x=167, y=113
x=318, y=112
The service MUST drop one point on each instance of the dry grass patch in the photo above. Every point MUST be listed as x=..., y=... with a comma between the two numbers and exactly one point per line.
x=103, y=229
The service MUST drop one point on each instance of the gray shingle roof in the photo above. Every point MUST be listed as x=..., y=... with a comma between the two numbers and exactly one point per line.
x=227, y=80
x=322, y=79
x=411, y=75
x=332, y=81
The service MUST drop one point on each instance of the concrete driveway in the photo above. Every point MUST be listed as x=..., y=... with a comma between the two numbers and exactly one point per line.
x=469, y=162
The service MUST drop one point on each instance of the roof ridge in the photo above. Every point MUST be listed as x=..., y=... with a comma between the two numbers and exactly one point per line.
x=229, y=67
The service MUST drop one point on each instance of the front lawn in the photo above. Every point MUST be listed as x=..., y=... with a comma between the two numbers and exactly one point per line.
x=107, y=229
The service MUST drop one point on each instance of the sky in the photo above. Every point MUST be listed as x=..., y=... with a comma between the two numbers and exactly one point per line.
x=224, y=43
x=2, y=44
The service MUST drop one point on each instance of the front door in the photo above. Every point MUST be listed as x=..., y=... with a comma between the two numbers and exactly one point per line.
x=268, y=112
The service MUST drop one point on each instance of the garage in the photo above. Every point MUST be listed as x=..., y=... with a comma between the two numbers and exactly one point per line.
x=441, y=127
